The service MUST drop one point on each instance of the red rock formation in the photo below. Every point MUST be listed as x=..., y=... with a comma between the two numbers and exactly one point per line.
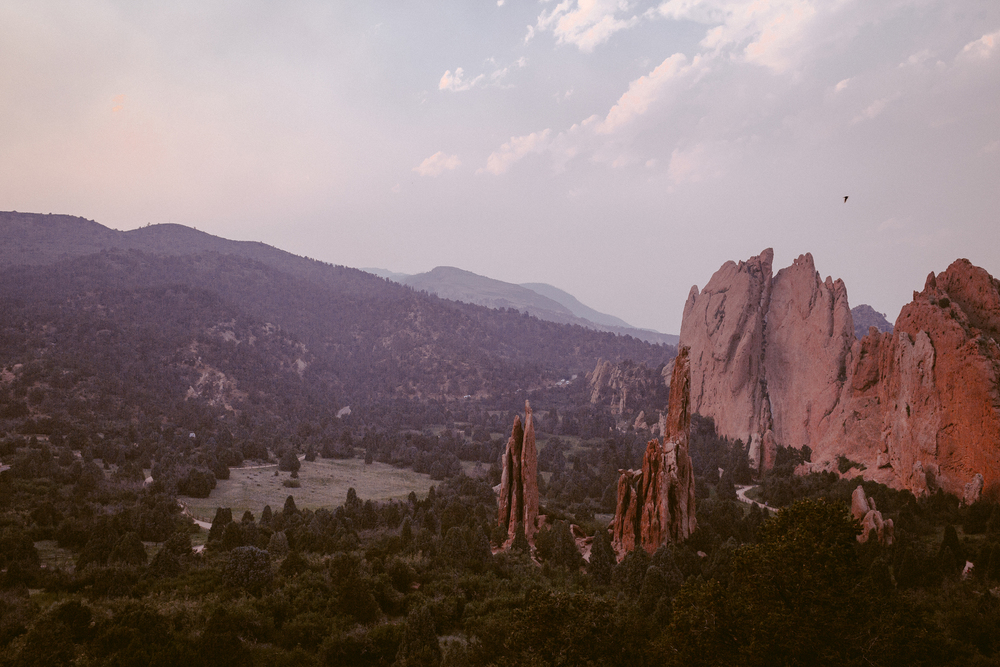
x=723, y=326
x=775, y=362
x=657, y=504
x=518, y=501
x=625, y=526
x=529, y=476
x=942, y=389
x=808, y=339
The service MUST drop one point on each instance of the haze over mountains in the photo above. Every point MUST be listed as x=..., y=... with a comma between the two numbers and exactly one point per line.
x=351, y=335
x=538, y=299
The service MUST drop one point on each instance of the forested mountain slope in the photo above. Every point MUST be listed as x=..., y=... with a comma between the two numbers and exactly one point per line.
x=181, y=324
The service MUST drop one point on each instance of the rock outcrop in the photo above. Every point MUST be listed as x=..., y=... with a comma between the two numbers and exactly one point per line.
x=863, y=509
x=518, y=502
x=656, y=504
x=973, y=490
x=625, y=387
x=941, y=380
x=776, y=362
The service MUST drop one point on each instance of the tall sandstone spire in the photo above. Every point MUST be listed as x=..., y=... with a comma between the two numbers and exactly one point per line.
x=656, y=504
x=518, y=502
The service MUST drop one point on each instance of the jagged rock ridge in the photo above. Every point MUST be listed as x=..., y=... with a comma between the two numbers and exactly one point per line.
x=657, y=504
x=776, y=362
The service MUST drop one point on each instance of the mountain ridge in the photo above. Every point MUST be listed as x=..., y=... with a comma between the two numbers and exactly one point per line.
x=538, y=299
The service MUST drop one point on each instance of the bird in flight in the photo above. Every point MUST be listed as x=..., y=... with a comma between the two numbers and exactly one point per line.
x=845, y=198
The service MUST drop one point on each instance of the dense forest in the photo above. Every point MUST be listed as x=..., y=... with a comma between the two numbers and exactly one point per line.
x=419, y=581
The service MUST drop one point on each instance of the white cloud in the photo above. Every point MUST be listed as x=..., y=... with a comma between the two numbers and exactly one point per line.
x=769, y=33
x=585, y=23
x=984, y=47
x=437, y=164
x=917, y=58
x=698, y=163
x=643, y=92
x=530, y=34
x=500, y=3
x=692, y=10
x=874, y=109
x=455, y=82
x=841, y=85
x=518, y=147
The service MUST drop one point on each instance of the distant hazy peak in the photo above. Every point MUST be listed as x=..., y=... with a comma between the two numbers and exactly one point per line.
x=574, y=306
x=386, y=273
x=538, y=299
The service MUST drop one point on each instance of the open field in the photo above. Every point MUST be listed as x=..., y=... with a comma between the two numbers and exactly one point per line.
x=324, y=484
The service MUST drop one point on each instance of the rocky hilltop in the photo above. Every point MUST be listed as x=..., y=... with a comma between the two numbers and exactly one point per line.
x=775, y=361
x=865, y=317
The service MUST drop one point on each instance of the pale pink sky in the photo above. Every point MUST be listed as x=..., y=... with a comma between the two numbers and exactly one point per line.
x=619, y=150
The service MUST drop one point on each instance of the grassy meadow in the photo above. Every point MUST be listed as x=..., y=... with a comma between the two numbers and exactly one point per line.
x=323, y=483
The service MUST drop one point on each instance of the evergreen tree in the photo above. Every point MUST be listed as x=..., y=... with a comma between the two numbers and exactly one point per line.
x=223, y=517
x=602, y=558
x=419, y=647
x=129, y=551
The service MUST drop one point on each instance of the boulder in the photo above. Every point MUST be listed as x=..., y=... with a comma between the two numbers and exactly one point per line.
x=863, y=509
x=859, y=503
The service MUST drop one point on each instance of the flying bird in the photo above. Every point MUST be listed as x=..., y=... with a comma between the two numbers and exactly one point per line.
x=845, y=198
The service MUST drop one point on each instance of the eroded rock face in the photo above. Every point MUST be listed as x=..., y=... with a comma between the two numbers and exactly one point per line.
x=951, y=385
x=657, y=504
x=723, y=326
x=775, y=362
x=808, y=340
x=518, y=501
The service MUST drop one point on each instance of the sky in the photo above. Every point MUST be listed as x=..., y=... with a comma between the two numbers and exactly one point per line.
x=621, y=150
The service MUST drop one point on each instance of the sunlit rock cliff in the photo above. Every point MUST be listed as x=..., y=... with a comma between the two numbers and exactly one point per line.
x=775, y=361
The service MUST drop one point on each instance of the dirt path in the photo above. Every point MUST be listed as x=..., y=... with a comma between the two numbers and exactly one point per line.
x=207, y=525
x=741, y=493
